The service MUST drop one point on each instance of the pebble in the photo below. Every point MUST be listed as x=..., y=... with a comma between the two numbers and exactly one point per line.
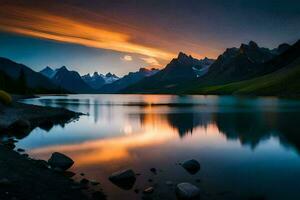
x=149, y=190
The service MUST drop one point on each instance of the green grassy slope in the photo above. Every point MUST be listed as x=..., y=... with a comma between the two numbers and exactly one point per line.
x=284, y=82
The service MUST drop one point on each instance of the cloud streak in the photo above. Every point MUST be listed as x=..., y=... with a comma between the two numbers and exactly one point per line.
x=46, y=25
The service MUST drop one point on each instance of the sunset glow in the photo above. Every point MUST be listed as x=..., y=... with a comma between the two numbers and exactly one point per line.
x=45, y=25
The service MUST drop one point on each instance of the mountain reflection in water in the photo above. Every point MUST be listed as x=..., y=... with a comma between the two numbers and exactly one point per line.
x=142, y=131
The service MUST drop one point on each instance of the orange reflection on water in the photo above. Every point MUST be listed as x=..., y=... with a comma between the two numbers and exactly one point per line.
x=156, y=131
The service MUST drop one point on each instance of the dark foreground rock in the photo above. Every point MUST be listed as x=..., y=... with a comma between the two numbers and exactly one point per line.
x=125, y=179
x=60, y=161
x=27, y=179
x=187, y=191
x=192, y=166
x=20, y=118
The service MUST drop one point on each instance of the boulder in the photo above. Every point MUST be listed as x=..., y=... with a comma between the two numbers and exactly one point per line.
x=192, y=166
x=60, y=161
x=187, y=191
x=125, y=179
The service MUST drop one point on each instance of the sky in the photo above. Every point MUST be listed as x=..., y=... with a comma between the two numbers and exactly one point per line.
x=119, y=36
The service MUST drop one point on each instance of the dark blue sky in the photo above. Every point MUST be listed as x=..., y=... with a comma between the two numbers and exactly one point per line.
x=97, y=35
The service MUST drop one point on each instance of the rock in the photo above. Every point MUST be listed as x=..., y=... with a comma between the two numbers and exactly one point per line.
x=94, y=182
x=192, y=166
x=84, y=181
x=136, y=191
x=148, y=190
x=41, y=163
x=10, y=145
x=150, y=180
x=82, y=174
x=186, y=191
x=61, y=161
x=25, y=155
x=20, y=150
x=69, y=174
x=153, y=170
x=125, y=179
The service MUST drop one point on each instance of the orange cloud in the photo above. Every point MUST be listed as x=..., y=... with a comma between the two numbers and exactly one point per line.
x=49, y=26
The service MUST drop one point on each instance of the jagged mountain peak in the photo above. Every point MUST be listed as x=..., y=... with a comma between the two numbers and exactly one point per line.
x=252, y=44
x=283, y=47
x=182, y=55
x=96, y=74
x=63, y=68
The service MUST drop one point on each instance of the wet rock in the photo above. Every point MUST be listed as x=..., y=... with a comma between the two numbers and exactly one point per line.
x=192, y=166
x=125, y=179
x=20, y=150
x=186, y=191
x=148, y=190
x=61, y=161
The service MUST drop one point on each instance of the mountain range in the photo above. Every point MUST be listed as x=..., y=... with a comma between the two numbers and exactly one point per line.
x=15, y=76
x=96, y=81
x=179, y=71
x=247, y=69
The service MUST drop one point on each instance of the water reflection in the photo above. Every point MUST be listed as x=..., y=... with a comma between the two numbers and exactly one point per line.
x=139, y=131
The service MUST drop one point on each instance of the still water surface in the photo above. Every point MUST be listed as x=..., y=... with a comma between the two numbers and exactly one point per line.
x=247, y=147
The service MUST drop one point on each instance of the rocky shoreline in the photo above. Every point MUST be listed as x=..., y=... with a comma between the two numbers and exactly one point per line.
x=23, y=178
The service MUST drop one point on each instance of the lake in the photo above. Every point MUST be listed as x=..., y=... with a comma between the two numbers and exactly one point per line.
x=248, y=148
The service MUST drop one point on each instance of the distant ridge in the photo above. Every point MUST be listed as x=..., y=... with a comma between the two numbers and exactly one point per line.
x=281, y=77
x=127, y=80
x=70, y=80
x=35, y=82
x=179, y=71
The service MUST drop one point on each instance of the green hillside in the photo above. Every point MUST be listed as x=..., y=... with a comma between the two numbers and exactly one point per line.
x=284, y=82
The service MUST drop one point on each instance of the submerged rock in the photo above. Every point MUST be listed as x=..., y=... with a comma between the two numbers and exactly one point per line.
x=125, y=179
x=60, y=161
x=192, y=166
x=186, y=191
